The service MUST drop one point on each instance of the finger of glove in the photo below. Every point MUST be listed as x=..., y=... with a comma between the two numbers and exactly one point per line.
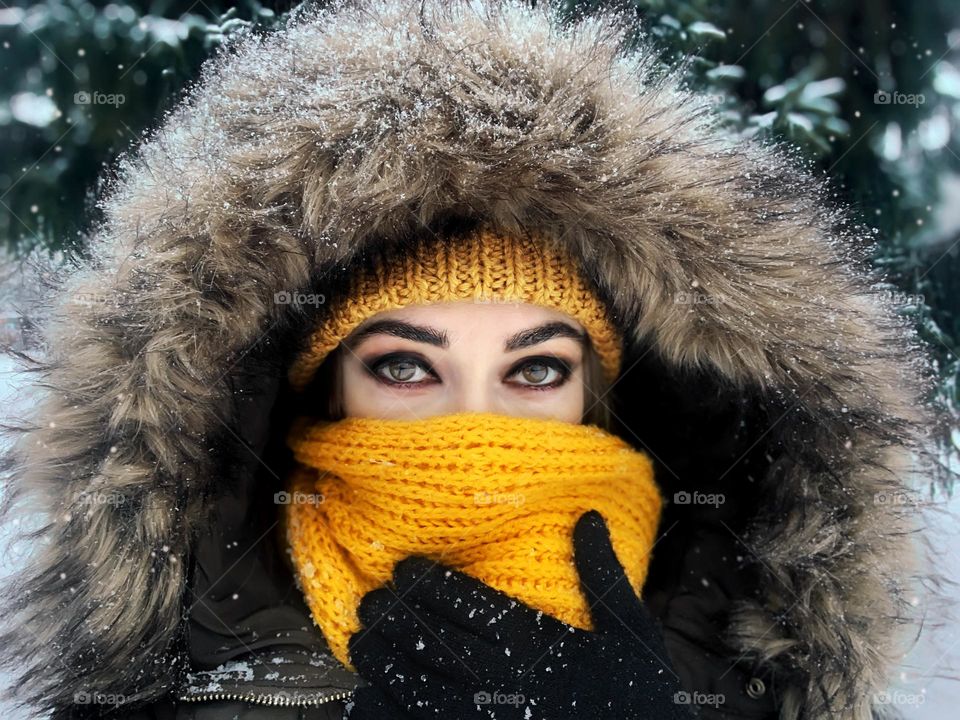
x=605, y=585
x=473, y=605
x=372, y=703
x=418, y=691
x=376, y=604
x=429, y=640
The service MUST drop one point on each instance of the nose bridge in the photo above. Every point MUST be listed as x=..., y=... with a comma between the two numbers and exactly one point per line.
x=471, y=389
x=474, y=393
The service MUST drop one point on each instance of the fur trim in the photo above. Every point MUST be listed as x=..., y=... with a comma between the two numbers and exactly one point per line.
x=365, y=123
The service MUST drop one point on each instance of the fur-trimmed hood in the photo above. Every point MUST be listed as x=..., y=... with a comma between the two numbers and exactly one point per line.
x=765, y=358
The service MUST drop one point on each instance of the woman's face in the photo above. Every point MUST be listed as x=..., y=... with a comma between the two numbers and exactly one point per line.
x=422, y=360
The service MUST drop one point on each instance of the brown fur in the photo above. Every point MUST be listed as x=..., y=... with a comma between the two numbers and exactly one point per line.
x=373, y=122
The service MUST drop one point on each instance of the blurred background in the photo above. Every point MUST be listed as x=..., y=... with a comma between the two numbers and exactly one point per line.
x=868, y=93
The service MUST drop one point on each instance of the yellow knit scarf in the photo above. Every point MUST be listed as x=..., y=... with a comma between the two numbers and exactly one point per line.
x=492, y=495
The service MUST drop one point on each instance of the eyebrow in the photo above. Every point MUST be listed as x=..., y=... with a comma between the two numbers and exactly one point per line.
x=542, y=333
x=439, y=338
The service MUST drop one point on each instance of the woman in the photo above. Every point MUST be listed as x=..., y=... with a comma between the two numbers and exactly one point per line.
x=781, y=398
x=459, y=371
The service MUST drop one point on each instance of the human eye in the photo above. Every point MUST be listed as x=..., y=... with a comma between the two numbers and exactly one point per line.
x=400, y=369
x=540, y=373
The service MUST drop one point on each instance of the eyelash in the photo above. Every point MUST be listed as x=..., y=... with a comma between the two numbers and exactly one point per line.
x=555, y=363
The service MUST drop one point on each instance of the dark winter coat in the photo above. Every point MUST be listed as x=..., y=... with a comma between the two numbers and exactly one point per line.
x=765, y=364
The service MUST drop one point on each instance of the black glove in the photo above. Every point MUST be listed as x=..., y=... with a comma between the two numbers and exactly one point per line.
x=371, y=702
x=443, y=644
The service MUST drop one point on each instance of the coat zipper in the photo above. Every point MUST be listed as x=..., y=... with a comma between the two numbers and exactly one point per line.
x=263, y=698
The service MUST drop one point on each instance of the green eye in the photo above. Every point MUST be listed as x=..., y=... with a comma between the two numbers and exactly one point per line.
x=400, y=370
x=542, y=372
x=537, y=373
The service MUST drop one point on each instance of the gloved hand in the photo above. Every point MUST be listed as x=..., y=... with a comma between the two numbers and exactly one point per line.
x=371, y=702
x=443, y=644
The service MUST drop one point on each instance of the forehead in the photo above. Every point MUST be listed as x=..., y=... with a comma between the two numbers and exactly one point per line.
x=502, y=318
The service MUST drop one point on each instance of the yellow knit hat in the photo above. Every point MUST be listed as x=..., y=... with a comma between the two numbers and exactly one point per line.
x=482, y=266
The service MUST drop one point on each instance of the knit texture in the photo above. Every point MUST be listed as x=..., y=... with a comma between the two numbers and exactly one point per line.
x=492, y=495
x=482, y=266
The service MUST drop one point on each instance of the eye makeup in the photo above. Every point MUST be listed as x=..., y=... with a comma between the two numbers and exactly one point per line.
x=564, y=368
x=375, y=365
x=378, y=366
